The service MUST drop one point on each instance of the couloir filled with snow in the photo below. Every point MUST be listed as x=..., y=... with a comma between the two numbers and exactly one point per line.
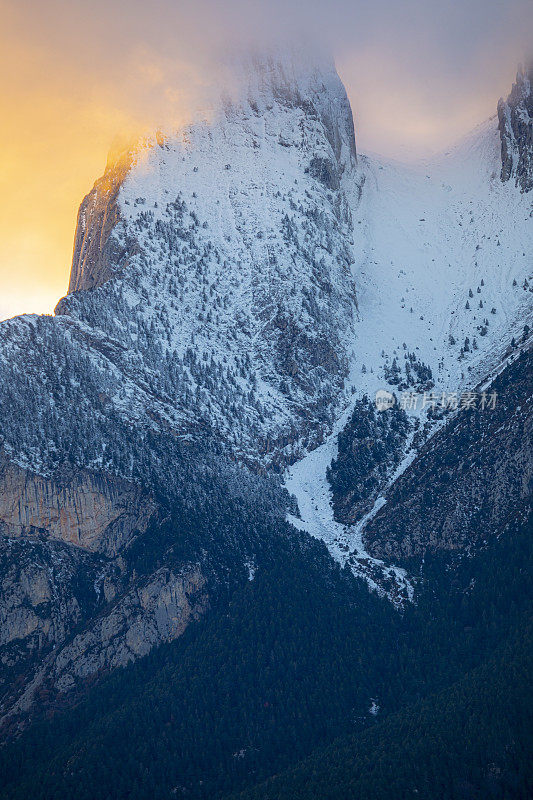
x=445, y=254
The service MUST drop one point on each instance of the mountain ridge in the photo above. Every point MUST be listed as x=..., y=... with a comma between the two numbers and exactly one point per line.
x=236, y=288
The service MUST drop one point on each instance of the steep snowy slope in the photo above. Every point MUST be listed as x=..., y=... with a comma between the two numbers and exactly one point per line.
x=444, y=273
x=442, y=244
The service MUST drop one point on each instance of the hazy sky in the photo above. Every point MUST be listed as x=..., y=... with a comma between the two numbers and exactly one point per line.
x=74, y=74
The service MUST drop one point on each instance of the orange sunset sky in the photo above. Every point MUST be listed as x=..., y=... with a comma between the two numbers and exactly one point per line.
x=75, y=75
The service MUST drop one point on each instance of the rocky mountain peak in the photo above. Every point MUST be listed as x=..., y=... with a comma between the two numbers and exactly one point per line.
x=515, y=117
x=294, y=77
x=276, y=87
x=232, y=238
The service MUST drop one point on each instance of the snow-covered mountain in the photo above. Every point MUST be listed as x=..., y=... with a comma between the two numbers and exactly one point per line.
x=230, y=251
x=237, y=287
x=236, y=277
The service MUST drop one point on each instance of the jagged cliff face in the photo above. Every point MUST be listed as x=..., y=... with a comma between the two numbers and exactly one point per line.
x=96, y=254
x=149, y=613
x=94, y=511
x=515, y=117
x=67, y=615
x=40, y=601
